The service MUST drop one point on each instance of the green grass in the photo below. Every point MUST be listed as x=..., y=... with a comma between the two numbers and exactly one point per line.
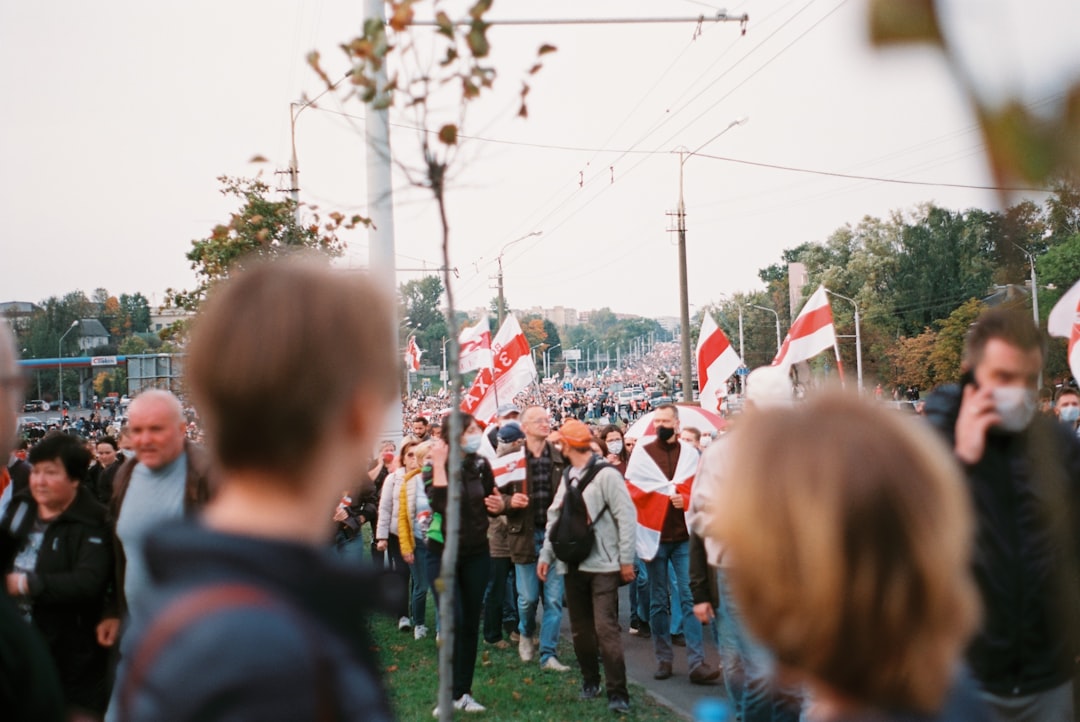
x=509, y=688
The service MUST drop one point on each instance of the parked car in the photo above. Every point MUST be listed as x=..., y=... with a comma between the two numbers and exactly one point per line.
x=35, y=405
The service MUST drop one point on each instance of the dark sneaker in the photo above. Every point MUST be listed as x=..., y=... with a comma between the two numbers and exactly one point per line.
x=704, y=674
x=641, y=629
x=663, y=670
x=679, y=640
x=590, y=691
x=618, y=705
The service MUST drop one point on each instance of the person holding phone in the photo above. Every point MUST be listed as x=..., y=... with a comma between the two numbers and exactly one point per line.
x=1023, y=473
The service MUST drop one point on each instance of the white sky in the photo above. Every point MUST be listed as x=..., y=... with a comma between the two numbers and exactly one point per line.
x=118, y=116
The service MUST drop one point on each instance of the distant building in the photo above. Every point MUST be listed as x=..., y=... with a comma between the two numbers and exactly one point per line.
x=797, y=280
x=561, y=316
x=668, y=323
x=162, y=317
x=91, y=334
x=18, y=313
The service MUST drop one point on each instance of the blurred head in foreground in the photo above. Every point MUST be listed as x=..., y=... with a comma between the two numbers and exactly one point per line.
x=849, y=551
x=292, y=365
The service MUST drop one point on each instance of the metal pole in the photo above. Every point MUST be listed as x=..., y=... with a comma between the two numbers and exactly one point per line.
x=60, y=362
x=742, y=351
x=858, y=338
x=294, y=168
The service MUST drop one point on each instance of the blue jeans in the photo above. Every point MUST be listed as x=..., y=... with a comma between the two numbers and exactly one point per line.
x=639, y=592
x=420, y=586
x=529, y=586
x=676, y=605
x=660, y=609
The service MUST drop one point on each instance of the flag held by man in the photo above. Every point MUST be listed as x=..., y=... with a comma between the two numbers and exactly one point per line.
x=1064, y=321
x=811, y=333
x=475, y=347
x=651, y=491
x=716, y=360
x=412, y=355
x=513, y=369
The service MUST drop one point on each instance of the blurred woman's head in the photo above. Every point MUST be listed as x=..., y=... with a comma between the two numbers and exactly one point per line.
x=58, y=464
x=407, y=457
x=849, y=535
x=614, y=442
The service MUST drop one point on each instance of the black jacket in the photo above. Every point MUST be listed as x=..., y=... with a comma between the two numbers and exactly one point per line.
x=68, y=589
x=477, y=482
x=1026, y=495
x=258, y=661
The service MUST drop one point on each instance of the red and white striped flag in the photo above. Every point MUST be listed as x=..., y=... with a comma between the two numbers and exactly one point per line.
x=1064, y=321
x=412, y=355
x=651, y=492
x=811, y=333
x=716, y=361
x=475, y=343
x=509, y=468
x=512, y=372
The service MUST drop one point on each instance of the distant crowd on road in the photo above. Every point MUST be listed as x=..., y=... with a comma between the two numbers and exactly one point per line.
x=821, y=558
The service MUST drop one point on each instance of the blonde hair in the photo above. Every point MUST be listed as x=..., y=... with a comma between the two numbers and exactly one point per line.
x=422, y=450
x=849, y=535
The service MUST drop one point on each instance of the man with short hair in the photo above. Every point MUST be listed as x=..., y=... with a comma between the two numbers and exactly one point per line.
x=1067, y=407
x=167, y=479
x=665, y=451
x=527, y=503
x=592, y=586
x=420, y=428
x=506, y=413
x=1023, y=473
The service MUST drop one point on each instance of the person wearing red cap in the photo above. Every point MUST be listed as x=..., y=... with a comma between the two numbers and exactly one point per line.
x=592, y=587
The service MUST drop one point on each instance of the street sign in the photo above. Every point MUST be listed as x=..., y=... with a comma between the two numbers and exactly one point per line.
x=572, y=354
x=96, y=361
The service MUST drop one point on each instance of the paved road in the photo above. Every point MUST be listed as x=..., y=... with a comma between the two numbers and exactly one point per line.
x=676, y=692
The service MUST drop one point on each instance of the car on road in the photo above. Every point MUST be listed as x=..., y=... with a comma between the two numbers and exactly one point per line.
x=35, y=405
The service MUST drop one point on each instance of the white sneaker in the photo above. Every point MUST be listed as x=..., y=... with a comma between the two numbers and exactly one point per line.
x=526, y=649
x=404, y=624
x=466, y=703
x=419, y=631
x=554, y=665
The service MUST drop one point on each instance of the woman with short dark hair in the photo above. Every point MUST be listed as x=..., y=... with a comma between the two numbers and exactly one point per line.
x=62, y=566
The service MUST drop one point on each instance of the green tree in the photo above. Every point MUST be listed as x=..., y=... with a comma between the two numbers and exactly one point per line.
x=261, y=228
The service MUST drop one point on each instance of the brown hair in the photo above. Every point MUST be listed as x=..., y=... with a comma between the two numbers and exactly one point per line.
x=850, y=550
x=1006, y=324
x=279, y=354
x=406, y=444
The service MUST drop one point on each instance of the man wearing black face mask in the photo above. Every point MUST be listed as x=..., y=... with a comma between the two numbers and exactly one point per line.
x=1023, y=471
x=666, y=451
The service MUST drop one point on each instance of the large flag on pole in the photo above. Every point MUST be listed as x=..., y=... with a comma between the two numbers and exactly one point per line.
x=412, y=355
x=475, y=343
x=512, y=371
x=651, y=491
x=1064, y=321
x=811, y=333
x=716, y=361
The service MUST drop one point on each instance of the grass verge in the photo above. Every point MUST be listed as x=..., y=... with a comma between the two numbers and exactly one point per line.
x=509, y=688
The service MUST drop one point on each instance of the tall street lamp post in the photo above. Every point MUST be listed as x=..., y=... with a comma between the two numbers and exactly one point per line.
x=60, y=361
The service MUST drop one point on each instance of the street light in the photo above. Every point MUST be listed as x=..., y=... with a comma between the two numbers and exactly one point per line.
x=60, y=361
x=502, y=299
x=684, y=299
x=765, y=308
x=858, y=336
x=548, y=350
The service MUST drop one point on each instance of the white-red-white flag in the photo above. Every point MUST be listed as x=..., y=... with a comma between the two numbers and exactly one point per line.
x=716, y=361
x=1064, y=321
x=512, y=371
x=475, y=347
x=509, y=468
x=811, y=333
x=651, y=491
x=412, y=355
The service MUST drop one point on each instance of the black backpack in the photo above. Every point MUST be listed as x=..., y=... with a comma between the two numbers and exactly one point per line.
x=572, y=534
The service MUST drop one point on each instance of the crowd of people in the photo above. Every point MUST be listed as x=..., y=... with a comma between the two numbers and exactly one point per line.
x=824, y=558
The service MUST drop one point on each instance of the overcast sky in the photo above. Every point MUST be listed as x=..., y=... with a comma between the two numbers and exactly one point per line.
x=118, y=117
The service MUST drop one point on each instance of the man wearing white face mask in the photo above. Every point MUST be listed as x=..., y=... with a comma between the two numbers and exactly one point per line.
x=1023, y=474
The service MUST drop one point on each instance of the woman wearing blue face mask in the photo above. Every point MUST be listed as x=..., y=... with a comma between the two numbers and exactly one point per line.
x=479, y=500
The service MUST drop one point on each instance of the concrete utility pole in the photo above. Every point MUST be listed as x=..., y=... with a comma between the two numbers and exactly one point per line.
x=502, y=298
x=686, y=368
x=380, y=202
x=858, y=337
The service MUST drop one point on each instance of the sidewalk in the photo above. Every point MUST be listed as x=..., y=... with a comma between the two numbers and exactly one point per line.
x=676, y=693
